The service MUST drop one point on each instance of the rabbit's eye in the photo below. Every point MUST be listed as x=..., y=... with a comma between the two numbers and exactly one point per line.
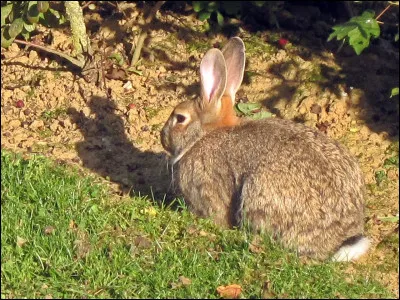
x=180, y=118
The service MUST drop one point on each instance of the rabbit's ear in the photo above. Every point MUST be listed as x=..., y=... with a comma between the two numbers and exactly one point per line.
x=234, y=54
x=213, y=79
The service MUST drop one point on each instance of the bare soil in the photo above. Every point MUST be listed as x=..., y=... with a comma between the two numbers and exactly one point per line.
x=118, y=137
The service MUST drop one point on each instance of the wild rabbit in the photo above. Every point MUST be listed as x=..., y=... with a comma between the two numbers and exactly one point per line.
x=276, y=175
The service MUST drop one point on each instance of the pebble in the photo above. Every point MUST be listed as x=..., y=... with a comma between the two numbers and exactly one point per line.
x=54, y=126
x=36, y=124
x=14, y=123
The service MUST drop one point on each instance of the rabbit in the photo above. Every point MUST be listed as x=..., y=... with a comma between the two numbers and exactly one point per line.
x=274, y=175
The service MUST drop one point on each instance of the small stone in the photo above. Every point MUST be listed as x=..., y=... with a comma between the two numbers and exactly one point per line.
x=33, y=55
x=162, y=69
x=86, y=111
x=316, y=109
x=15, y=123
x=20, y=104
x=67, y=123
x=36, y=124
x=54, y=126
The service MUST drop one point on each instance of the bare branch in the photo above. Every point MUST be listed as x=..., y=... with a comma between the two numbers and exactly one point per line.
x=143, y=35
x=72, y=60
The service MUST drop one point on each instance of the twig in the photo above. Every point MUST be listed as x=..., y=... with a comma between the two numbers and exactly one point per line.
x=87, y=4
x=72, y=60
x=383, y=11
x=143, y=35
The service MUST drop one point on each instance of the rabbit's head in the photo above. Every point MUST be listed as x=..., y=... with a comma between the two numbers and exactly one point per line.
x=221, y=74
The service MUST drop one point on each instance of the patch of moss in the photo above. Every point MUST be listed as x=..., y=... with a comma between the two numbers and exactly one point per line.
x=256, y=46
x=315, y=75
x=198, y=45
x=45, y=133
x=151, y=112
x=49, y=115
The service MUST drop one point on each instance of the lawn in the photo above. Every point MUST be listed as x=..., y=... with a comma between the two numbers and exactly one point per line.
x=65, y=234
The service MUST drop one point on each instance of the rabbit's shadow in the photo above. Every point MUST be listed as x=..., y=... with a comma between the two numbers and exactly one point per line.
x=107, y=151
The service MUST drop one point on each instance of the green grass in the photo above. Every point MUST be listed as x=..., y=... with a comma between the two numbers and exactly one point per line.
x=96, y=245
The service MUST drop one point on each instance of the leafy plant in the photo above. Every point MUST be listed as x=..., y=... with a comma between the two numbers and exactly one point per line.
x=21, y=17
x=252, y=110
x=394, y=92
x=380, y=176
x=358, y=31
x=207, y=8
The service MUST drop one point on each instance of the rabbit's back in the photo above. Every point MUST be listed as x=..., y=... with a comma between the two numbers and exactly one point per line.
x=279, y=176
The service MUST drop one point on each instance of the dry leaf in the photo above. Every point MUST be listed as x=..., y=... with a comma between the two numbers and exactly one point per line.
x=175, y=285
x=203, y=233
x=231, y=291
x=267, y=292
x=20, y=241
x=142, y=242
x=191, y=229
x=255, y=248
x=184, y=280
x=72, y=224
x=48, y=230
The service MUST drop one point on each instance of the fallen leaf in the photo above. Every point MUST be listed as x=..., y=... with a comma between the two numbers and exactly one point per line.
x=48, y=230
x=184, y=280
x=231, y=291
x=255, y=248
x=191, y=229
x=255, y=245
x=72, y=224
x=20, y=241
x=142, y=242
x=267, y=292
x=175, y=285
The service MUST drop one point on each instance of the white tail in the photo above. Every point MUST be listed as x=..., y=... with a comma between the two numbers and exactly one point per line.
x=352, y=251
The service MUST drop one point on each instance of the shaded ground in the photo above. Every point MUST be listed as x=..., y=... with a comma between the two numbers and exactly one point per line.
x=342, y=94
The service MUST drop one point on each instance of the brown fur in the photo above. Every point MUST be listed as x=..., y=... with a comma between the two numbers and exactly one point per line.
x=296, y=184
x=276, y=175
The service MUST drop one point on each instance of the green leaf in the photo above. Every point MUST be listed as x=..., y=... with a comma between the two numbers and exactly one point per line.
x=232, y=7
x=16, y=27
x=42, y=6
x=29, y=27
x=380, y=176
x=198, y=6
x=259, y=3
x=118, y=57
x=261, y=115
x=358, y=31
x=212, y=6
x=32, y=14
x=393, y=219
x=220, y=19
x=137, y=72
x=5, y=11
x=395, y=92
x=52, y=17
x=391, y=161
x=6, y=39
x=204, y=15
x=248, y=108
